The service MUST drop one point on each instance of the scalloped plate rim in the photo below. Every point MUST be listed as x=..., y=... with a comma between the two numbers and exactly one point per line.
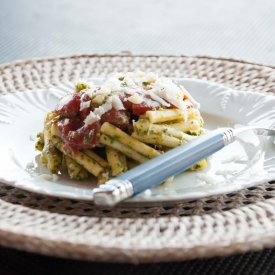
x=147, y=201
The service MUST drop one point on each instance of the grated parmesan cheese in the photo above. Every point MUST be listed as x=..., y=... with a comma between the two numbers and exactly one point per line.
x=105, y=175
x=206, y=178
x=196, y=104
x=129, y=91
x=157, y=98
x=116, y=102
x=114, y=84
x=98, y=112
x=84, y=105
x=45, y=177
x=30, y=164
x=161, y=90
x=235, y=158
x=129, y=82
x=90, y=92
x=135, y=98
x=226, y=172
x=151, y=77
x=32, y=137
x=55, y=177
x=91, y=118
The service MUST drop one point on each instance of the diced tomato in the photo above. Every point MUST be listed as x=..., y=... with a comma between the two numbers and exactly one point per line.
x=142, y=108
x=69, y=105
x=86, y=136
x=77, y=134
x=119, y=118
x=128, y=105
x=85, y=112
x=67, y=125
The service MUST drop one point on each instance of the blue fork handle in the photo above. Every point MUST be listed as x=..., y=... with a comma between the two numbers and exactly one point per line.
x=157, y=170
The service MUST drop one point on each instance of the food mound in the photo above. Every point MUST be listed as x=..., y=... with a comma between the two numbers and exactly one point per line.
x=106, y=130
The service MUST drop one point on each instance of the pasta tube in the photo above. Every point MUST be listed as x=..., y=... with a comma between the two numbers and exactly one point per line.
x=103, y=177
x=75, y=170
x=198, y=166
x=159, y=139
x=40, y=141
x=165, y=115
x=193, y=113
x=128, y=141
x=123, y=160
x=96, y=157
x=114, y=161
x=129, y=152
x=51, y=156
x=186, y=126
x=144, y=127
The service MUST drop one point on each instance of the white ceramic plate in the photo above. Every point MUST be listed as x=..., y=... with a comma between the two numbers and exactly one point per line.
x=247, y=162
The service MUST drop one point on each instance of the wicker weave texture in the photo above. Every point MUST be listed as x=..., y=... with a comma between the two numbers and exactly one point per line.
x=217, y=225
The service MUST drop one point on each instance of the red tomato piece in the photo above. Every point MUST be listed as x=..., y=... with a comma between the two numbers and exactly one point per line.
x=128, y=105
x=77, y=134
x=68, y=105
x=140, y=109
x=147, y=105
x=67, y=125
x=85, y=112
x=118, y=118
x=90, y=134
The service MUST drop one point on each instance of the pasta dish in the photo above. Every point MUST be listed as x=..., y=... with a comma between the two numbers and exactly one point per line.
x=108, y=129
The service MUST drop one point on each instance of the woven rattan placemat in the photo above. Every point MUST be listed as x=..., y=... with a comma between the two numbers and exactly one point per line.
x=212, y=226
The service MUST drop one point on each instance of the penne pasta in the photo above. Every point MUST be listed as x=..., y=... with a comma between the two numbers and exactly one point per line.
x=186, y=126
x=128, y=141
x=123, y=160
x=75, y=170
x=96, y=157
x=162, y=139
x=198, y=166
x=106, y=140
x=144, y=127
x=165, y=115
x=39, y=145
x=193, y=113
x=51, y=156
x=114, y=161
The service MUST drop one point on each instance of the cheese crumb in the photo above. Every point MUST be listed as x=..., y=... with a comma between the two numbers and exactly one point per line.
x=206, y=178
x=45, y=177
x=32, y=137
x=116, y=102
x=55, y=177
x=226, y=172
x=105, y=175
x=30, y=164
x=84, y=105
x=135, y=98
x=98, y=112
